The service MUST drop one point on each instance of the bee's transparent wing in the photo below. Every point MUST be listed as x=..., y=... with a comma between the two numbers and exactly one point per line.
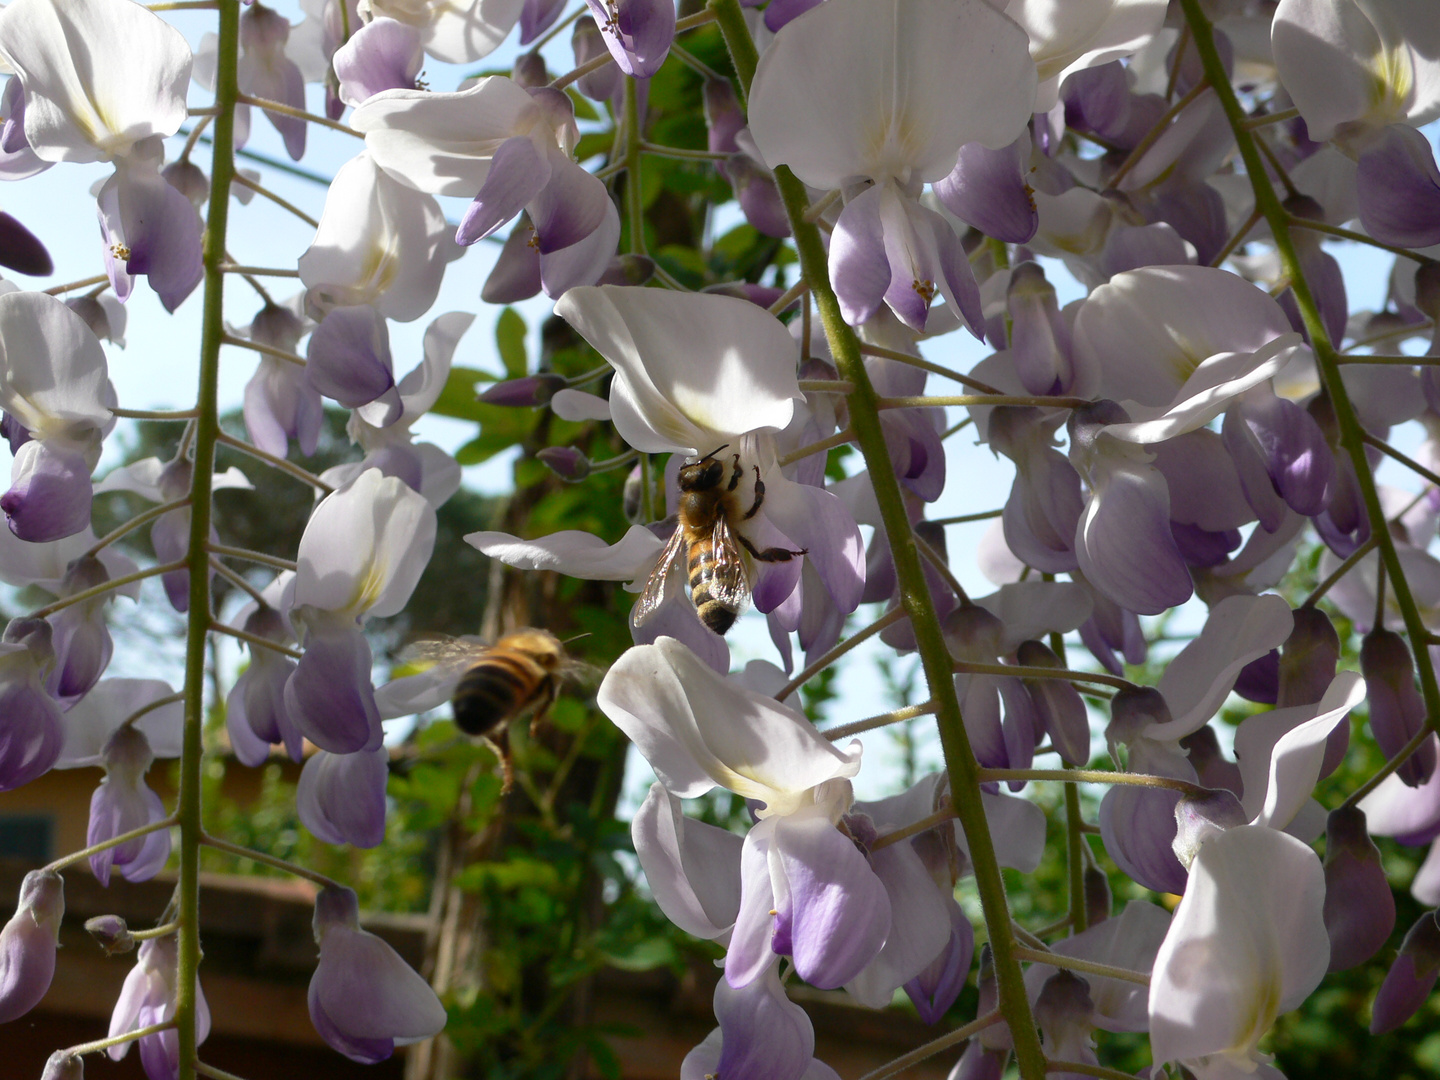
x=730, y=580
x=444, y=650
x=653, y=594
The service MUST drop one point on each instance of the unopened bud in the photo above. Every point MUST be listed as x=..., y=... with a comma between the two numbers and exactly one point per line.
x=1427, y=290
x=529, y=70
x=1212, y=767
x=110, y=933
x=1199, y=817
x=277, y=326
x=996, y=1036
x=1132, y=710
x=21, y=250
x=937, y=987
x=1039, y=336
x=1410, y=978
x=1396, y=711
x=1059, y=705
x=974, y=634
x=189, y=179
x=566, y=462
x=628, y=269
x=35, y=635
x=588, y=42
x=1097, y=895
x=98, y=318
x=528, y=391
x=1359, y=906
x=632, y=502
x=64, y=1065
x=1064, y=1011
x=1308, y=660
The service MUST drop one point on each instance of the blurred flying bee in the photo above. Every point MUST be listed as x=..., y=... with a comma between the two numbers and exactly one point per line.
x=519, y=674
x=716, y=551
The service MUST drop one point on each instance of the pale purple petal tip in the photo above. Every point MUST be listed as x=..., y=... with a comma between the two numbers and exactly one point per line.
x=1398, y=186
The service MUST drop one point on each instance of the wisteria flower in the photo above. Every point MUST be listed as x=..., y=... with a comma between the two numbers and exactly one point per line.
x=831, y=101
x=28, y=942
x=510, y=149
x=364, y=999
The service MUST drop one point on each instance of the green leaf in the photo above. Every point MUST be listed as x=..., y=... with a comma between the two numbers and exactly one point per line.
x=584, y=110
x=645, y=955
x=510, y=341
x=458, y=398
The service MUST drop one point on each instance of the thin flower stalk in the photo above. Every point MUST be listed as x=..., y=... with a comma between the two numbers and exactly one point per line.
x=934, y=1046
x=114, y=841
x=106, y=587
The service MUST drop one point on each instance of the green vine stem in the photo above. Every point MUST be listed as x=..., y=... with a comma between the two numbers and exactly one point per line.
x=915, y=598
x=207, y=431
x=1352, y=435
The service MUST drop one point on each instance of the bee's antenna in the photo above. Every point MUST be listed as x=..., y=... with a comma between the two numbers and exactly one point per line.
x=712, y=453
x=577, y=637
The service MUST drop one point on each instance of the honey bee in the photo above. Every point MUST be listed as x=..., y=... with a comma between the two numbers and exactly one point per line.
x=716, y=550
x=519, y=674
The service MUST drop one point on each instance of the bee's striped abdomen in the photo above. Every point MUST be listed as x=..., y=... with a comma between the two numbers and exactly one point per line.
x=496, y=689
x=719, y=617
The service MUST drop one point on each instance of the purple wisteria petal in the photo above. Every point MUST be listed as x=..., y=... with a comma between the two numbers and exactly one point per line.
x=50, y=492
x=256, y=715
x=587, y=42
x=1399, y=189
x=384, y=54
x=749, y=954
x=28, y=942
x=329, y=696
x=1059, y=708
x=988, y=189
x=152, y=229
x=341, y=797
x=638, y=33
x=1039, y=335
x=1288, y=445
x=938, y=985
x=859, y=265
x=148, y=998
x=537, y=16
x=922, y=930
x=1411, y=977
x=763, y=1034
x=816, y=520
x=349, y=360
x=1124, y=545
x=569, y=208
x=1042, y=515
x=1411, y=815
x=364, y=999
x=518, y=172
x=590, y=260
x=925, y=258
x=21, y=250
x=834, y=913
x=33, y=733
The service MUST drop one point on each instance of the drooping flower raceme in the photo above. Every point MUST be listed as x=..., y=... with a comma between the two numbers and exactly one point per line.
x=834, y=101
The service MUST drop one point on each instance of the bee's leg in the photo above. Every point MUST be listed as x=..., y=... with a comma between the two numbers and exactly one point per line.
x=759, y=496
x=774, y=554
x=736, y=475
x=549, y=694
x=500, y=747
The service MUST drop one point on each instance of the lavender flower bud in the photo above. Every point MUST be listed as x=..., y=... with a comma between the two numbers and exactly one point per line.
x=566, y=462
x=1410, y=978
x=1064, y=1011
x=189, y=179
x=21, y=250
x=1396, y=712
x=527, y=392
x=1131, y=711
x=1058, y=704
x=28, y=943
x=997, y=1036
x=529, y=70
x=588, y=42
x=1359, y=906
x=110, y=933
x=633, y=500
x=935, y=989
x=1308, y=660
x=1039, y=335
x=1097, y=895
x=63, y=1065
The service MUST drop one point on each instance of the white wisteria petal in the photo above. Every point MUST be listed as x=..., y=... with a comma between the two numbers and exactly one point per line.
x=53, y=375
x=1147, y=331
x=579, y=554
x=1247, y=943
x=1017, y=827
x=693, y=869
x=698, y=731
x=577, y=405
x=692, y=370
x=1070, y=35
x=1196, y=683
x=1280, y=762
x=365, y=547
x=99, y=75
x=1358, y=63
x=452, y=31
x=1208, y=391
x=380, y=242
x=91, y=721
x=889, y=89
x=1396, y=809
x=443, y=143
